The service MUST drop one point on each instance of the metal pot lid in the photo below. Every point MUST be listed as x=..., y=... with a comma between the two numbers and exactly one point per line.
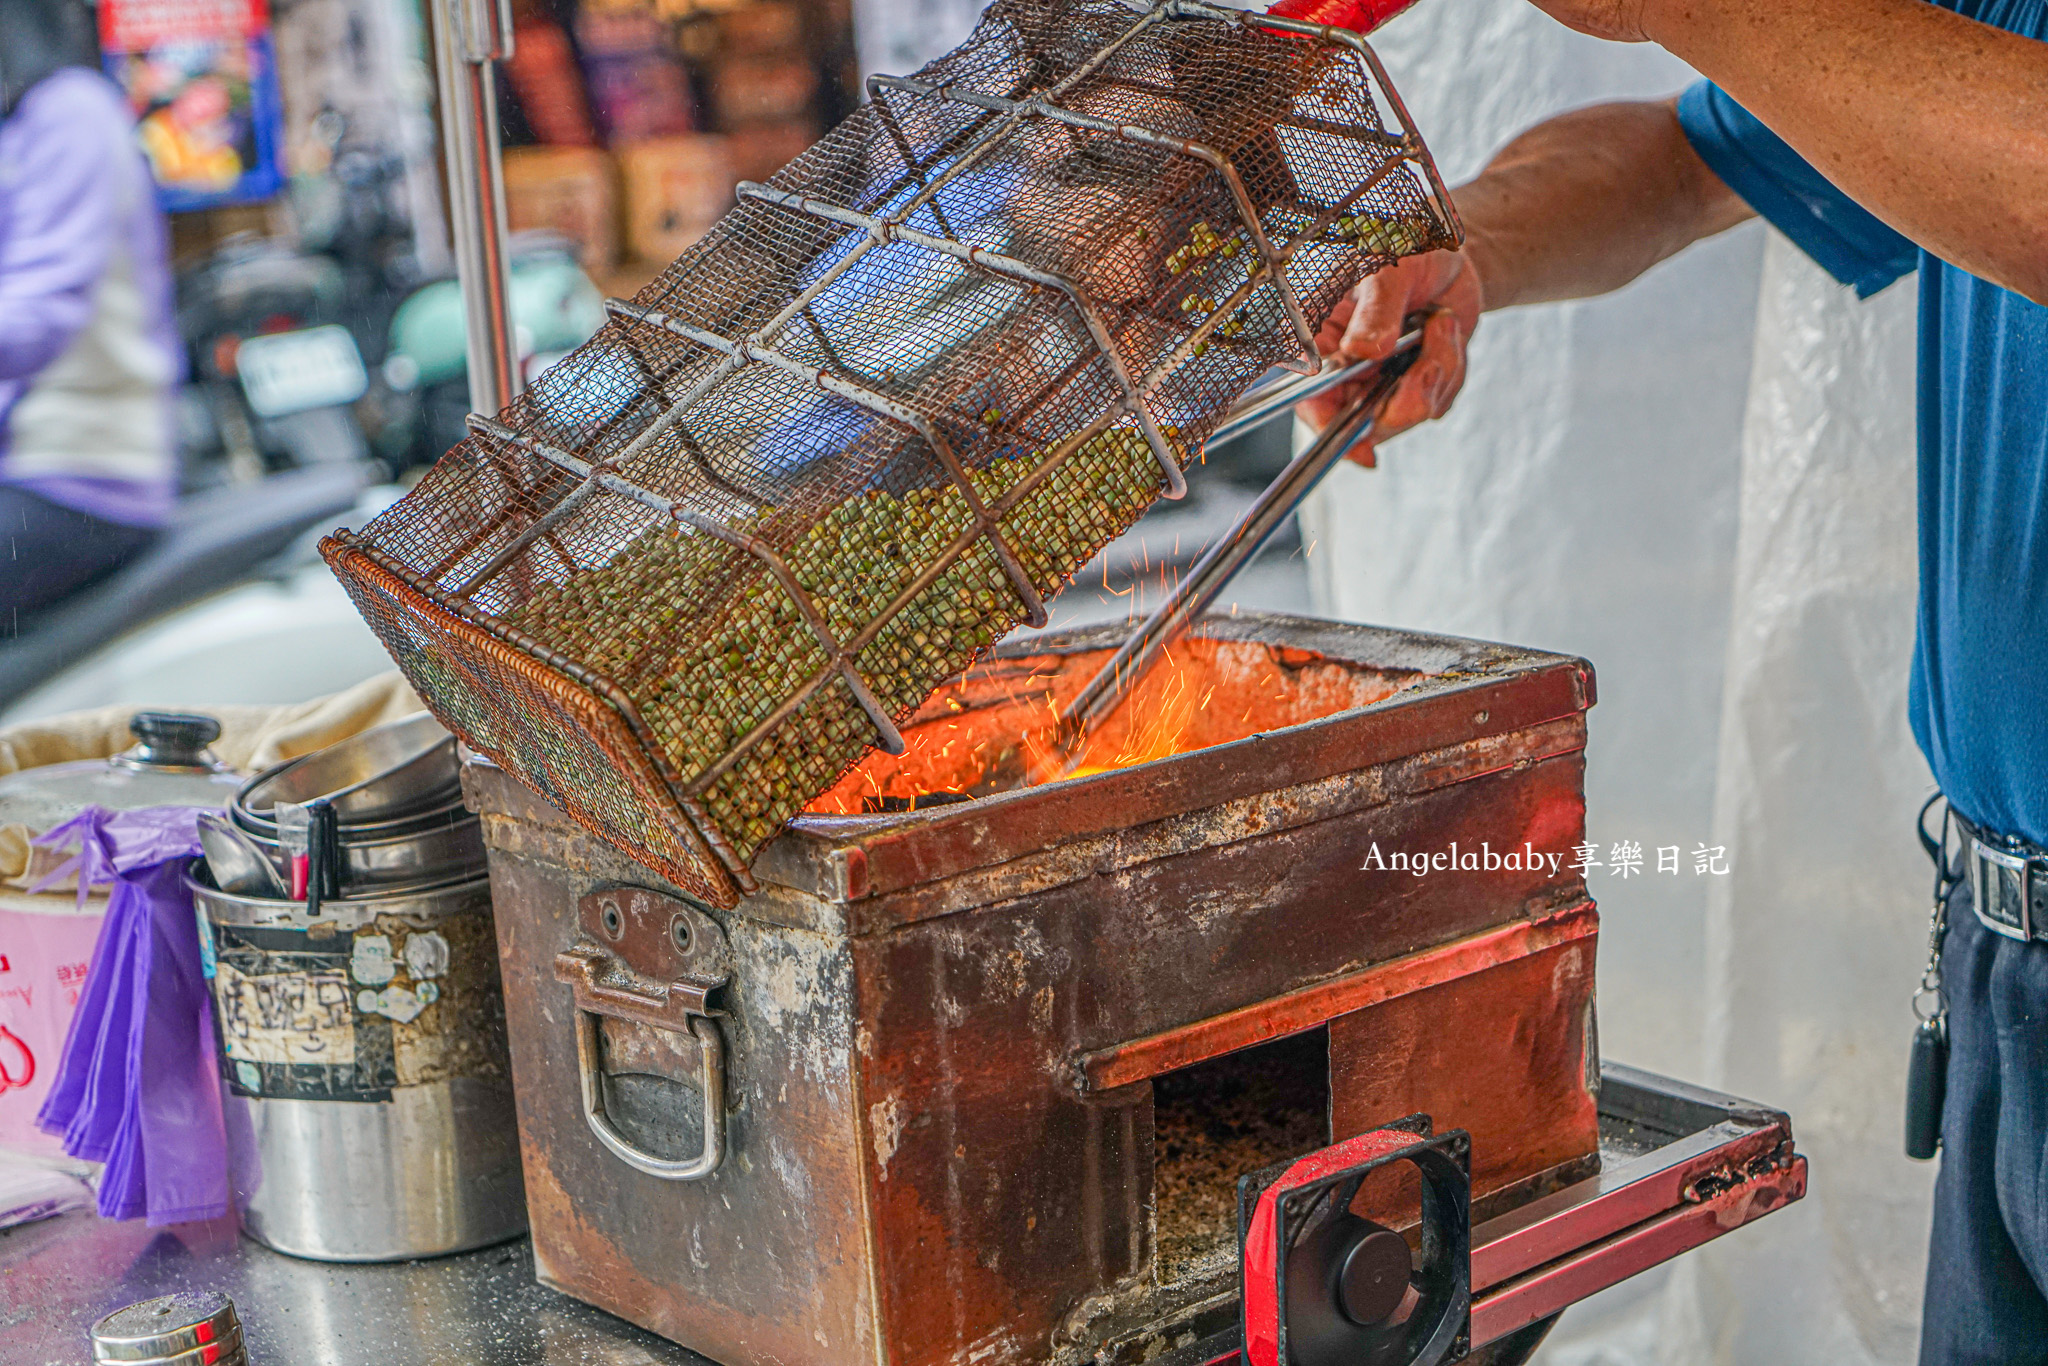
x=166, y=1326
x=169, y=765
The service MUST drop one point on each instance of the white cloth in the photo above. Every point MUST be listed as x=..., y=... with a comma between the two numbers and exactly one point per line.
x=1580, y=497
x=896, y=37
x=251, y=740
x=1705, y=485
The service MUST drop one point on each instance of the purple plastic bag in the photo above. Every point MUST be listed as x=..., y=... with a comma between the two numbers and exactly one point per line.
x=137, y=1086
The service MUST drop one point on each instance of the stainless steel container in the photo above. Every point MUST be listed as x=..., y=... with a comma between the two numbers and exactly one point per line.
x=395, y=796
x=168, y=765
x=380, y=774
x=391, y=856
x=192, y=1328
x=366, y=1047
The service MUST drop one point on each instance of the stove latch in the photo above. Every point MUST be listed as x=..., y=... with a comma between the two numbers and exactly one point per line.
x=653, y=960
x=1326, y=1287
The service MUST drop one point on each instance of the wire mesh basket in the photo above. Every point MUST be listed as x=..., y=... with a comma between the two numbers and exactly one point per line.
x=884, y=410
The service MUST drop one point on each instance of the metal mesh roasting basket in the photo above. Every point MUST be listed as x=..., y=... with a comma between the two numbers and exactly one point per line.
x=884, y=410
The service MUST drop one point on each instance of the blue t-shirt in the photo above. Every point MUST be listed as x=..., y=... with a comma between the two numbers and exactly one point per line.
x=1979, y=700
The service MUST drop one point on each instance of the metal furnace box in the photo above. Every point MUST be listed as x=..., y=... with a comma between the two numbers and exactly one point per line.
x=982, y=1073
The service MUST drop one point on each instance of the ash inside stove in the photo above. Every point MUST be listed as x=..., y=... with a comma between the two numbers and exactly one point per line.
x=1217, y=1120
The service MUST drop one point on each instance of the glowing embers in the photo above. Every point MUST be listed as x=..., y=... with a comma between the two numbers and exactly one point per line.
x=1203, y=692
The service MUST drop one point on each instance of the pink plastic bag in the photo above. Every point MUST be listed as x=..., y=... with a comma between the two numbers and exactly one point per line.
x=45, y=944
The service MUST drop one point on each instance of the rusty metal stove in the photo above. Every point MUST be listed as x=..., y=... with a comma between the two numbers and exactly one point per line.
x=984, y=1075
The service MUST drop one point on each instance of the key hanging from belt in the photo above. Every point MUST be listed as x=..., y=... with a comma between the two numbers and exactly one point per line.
x=1927, y=1065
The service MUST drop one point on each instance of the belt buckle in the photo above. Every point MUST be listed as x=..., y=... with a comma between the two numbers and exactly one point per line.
x=1987, y=858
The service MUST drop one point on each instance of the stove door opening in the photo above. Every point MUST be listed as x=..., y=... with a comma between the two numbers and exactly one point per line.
x=1217, y=1120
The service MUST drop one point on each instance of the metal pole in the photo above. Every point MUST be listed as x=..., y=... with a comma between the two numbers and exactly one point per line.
x=470, y=36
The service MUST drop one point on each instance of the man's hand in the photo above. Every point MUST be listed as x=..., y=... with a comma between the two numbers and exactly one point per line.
x=1367, y=323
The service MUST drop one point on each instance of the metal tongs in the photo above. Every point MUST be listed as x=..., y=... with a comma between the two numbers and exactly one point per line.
x=1199, y=587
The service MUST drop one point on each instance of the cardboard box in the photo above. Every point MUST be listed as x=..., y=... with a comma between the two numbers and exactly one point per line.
x=751, y=90
x=759, y=152
x=570, y=190
x=48, y=942
x=675, y=189
x=770, y=26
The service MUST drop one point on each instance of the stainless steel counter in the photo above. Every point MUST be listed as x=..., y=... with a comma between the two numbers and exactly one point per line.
x=1680, y=1166
x=473, y=1309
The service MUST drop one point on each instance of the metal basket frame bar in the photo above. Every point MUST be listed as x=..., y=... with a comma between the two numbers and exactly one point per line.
x=805, y=297
x=839, y=659
x=1412, y=146
x=965, y=149
x=1199, y=338
x=477, y=537
x=891, y=227
x=913, y=163
x=840, y=656
x=502, y=633
x=995, y=262
x=1247, y=213
x=873, y=401
x=939, y=565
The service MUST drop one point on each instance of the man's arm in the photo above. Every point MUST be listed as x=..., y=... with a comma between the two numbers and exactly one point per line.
x=1935, y=123
x=1574, y=207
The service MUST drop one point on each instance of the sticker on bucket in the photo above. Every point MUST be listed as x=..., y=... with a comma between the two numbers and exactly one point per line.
x=402, y=1004
x=288, y=1018
x=285, y=1011
x=370, y=962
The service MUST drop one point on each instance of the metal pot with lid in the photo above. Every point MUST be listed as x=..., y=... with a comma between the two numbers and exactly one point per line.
x=168, y=765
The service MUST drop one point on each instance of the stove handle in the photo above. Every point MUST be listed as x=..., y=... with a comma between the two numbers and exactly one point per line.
x=711, y=1050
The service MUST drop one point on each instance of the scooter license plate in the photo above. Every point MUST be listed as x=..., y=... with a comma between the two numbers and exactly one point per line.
x=290, y=372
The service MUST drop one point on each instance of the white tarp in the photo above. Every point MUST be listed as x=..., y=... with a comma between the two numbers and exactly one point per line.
x=899, y=36
x=1581, y=497
x=1704, y=485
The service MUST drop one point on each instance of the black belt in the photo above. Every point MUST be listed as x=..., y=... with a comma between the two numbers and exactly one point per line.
x=2008, y=882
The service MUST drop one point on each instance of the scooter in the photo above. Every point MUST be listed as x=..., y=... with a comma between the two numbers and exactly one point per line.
x=422, y=387
x=274, y=372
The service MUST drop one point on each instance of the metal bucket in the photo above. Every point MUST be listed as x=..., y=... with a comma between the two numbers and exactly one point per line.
x=366, y=1048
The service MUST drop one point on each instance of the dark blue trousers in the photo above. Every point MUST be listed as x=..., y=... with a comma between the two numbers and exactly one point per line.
x=48, y=552
x=1987, y=1265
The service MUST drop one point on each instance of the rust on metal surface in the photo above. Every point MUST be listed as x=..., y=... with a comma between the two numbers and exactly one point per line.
x=1505, y=1051
x=1748, y=1196
x=1142, y=1059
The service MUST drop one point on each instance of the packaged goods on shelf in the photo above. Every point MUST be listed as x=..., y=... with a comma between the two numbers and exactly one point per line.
x=769, y=89
x=638, y=87
x=569, y=190
x=759, y=151
x=771, y=26
x=675, y=189
x=549, y=86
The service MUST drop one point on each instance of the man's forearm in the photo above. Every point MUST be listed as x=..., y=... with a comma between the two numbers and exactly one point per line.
x=1586, y=202
x=1935, y=123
